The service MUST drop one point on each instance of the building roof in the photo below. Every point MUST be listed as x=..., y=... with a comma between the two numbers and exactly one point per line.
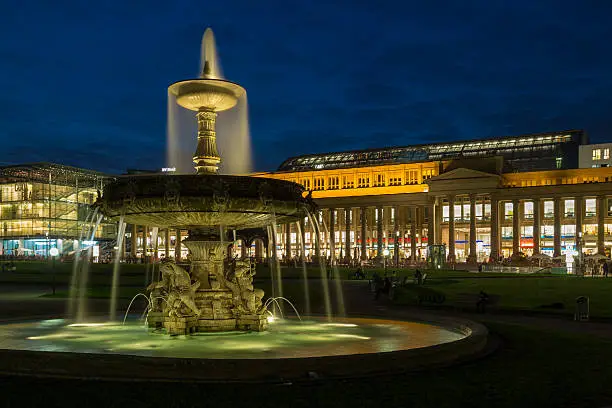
x=59, y=174
x=501, y=146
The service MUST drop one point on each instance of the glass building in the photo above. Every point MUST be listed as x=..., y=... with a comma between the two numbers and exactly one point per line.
x=45, y=205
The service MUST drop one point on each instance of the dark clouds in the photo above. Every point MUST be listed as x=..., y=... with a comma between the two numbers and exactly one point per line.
x=86, y=85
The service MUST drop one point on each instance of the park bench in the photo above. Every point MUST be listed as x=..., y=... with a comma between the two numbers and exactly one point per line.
x=470, y=301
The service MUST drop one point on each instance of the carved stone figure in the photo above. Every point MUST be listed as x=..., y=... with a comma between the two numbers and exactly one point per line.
x=177, y=290
x=239, y=279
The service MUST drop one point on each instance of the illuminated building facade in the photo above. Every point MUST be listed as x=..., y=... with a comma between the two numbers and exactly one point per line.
x=482, y=199
x=44, y=206
x=496, y=197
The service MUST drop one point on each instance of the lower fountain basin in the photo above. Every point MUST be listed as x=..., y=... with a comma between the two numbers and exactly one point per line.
x=195, y=201
x=348, y=347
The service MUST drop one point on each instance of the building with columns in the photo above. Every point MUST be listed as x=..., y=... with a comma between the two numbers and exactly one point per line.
x=483, y=199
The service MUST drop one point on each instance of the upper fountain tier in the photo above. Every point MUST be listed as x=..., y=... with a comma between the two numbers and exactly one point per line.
x=210, y=92
x=190, y=201
x=206, y=94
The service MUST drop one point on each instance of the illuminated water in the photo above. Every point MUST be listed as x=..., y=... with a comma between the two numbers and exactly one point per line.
x=233, y=134
x=286, y=339
x=116, y=268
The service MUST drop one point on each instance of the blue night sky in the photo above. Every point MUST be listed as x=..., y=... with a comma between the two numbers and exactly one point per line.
x=84, y=83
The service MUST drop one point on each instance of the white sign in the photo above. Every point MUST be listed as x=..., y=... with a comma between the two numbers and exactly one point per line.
x=168, y=169
x=54, y=252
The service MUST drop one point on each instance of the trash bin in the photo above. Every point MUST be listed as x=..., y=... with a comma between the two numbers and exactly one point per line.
x=582, y=309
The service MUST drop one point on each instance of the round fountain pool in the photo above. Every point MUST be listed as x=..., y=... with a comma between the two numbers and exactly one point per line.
x=289, y=349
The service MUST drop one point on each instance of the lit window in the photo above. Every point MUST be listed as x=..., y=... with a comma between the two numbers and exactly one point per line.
x=479, y=211
x=547, y=231
x=528, y=209
x=596, y=154
x=590, y=207
x=445, y=213
x=466, y=211
x=457, y=215
x=508, y=211
x=568, y=231
x=506, y=232
x=606, y=154
x=569, y=208
x=549, y=209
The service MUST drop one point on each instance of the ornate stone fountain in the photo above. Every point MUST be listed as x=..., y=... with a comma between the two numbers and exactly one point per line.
x=216, y=294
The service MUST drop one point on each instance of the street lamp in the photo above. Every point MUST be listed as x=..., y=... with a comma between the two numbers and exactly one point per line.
x=385, y=254
x=396, y=248
x=54, y=253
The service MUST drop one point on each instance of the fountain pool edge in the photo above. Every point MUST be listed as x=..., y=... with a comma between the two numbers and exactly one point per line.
x=112, y=367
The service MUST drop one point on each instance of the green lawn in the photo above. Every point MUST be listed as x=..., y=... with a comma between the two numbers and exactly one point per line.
x=533, y=368
x=523, y=293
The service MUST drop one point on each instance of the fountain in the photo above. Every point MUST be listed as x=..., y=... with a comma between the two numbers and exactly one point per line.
x=213, y=295
x=213, y=300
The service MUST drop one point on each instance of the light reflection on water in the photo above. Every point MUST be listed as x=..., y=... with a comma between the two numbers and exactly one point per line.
x=285, y=339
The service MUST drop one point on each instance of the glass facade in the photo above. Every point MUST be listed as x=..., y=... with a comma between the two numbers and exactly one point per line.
x=521, y=153
x=46, y=205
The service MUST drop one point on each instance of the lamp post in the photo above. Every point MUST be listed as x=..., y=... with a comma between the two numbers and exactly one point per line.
x=396, y=248
x=385, y=255
x=54, y=253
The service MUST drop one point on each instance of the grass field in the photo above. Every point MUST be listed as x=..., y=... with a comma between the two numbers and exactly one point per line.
x=524, y=293
x=514, y=292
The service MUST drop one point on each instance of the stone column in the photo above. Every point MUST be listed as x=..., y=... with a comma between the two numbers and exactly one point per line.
x=431, y=222
x=536, y=225
x=451, y=228
x=396, y=229
x=288, y=241
x=472, y=257
x=557, y=226
x=516, y=227
x=579, y=210
x=243, y=249
x=347, y=231
x=494, y=228
x=258, y=249
x=145, y=236
x=420, y=219
x=413, y=229
x=379, y=232
x=332, y=235
x=177, y=246
x=316, y=237
x=167, y=243
x=364, y=232
x=438, y=220
x=601, y=220
x=134, y=241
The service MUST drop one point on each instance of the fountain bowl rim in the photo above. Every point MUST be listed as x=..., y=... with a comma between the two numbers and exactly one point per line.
x=223, y=83
x=121, y=367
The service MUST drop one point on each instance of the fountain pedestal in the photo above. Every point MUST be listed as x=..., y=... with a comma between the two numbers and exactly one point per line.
x=223, y=299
